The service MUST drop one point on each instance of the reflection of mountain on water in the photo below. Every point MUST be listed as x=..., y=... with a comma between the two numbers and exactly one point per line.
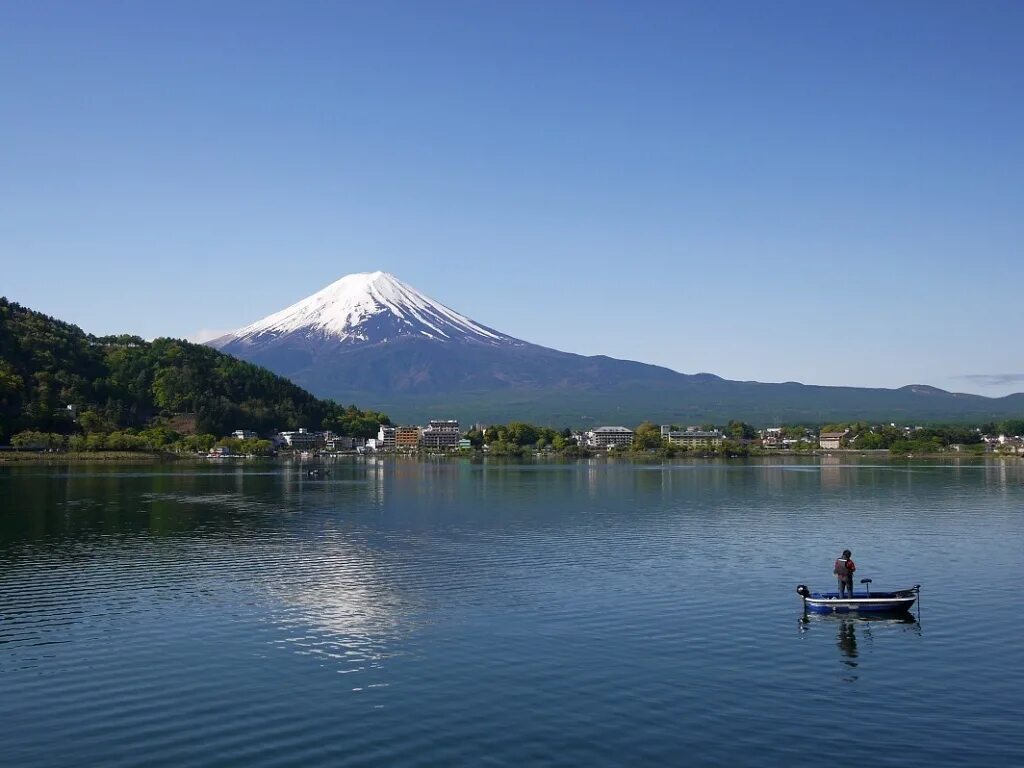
x=267, y=547
x=338, y=603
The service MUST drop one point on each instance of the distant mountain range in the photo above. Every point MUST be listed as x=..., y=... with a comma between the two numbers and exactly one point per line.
x=372, y=339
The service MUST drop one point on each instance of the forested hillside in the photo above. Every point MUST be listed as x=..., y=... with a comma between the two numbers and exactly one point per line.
x=116, y=383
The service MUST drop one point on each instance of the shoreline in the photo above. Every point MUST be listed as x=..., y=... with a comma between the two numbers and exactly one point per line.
x=81, y=457
x=10, y=458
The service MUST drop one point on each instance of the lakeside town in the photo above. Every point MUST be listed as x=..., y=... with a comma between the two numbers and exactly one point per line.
x=446, y=436
x=520, y=439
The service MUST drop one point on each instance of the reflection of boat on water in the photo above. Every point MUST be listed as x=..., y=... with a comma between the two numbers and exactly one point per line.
x=847, y=641
x=897, y=601
x=854, y=630
x=905, y=620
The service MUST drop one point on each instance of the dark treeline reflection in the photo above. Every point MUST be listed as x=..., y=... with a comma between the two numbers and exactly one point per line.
x=70, y=504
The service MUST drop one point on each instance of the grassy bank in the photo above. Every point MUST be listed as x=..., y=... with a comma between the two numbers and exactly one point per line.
x=66, y=457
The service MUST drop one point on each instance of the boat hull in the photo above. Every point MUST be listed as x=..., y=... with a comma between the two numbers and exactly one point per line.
x=879, y=602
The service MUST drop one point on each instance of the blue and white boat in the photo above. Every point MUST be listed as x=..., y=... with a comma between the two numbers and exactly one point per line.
x=897, y=601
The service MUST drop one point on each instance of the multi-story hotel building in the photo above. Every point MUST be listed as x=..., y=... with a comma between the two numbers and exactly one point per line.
x=301, y=439
x=407, y=437
x=692, y=437
x=607, y=437
x=441, y=434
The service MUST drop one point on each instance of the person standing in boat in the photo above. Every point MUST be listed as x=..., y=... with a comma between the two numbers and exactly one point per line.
x=843, y=570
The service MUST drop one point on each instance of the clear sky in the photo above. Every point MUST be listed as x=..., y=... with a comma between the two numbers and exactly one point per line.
x=830, y=193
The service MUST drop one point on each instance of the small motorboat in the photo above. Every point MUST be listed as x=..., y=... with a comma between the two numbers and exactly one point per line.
x=897, y=601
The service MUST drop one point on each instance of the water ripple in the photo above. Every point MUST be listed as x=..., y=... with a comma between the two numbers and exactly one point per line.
x=408, y=613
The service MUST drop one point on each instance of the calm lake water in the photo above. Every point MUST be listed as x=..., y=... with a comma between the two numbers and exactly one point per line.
x=407, y=613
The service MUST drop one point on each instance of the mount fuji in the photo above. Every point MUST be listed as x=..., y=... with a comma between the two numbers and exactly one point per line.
x=372, y=339
x=365, y=308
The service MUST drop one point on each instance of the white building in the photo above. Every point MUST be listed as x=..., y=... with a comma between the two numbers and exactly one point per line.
x=608, y=437
x=441, y=434
x=385, y=438
x=300, y=440
x=244, y=434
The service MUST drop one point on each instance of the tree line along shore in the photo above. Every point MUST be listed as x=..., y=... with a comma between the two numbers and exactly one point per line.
x=519, y=439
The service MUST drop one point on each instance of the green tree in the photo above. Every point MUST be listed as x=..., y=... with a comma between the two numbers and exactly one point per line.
x=173, y=388
x=475, y=437
x=32, y=440
x=1011, y=427
x=10, y=381
x=739, y=430
x=647, y=437
x=522, y=434
x=869, y=441
x=834, y=428
x=197, y=443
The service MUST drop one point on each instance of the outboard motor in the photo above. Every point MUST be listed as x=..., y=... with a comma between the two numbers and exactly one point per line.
x=803, y=591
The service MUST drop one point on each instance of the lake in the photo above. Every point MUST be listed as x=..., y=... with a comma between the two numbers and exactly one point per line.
x=425, y=613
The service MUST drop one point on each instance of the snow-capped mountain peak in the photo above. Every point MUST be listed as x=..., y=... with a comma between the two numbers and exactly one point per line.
x=367, y=307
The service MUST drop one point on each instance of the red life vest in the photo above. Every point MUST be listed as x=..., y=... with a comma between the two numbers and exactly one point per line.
x=844, y=568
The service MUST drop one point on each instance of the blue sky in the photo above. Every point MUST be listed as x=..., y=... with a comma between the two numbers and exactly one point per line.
x=821, y=192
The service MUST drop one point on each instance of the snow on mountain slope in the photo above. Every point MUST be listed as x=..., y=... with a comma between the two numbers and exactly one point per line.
x=367, y=307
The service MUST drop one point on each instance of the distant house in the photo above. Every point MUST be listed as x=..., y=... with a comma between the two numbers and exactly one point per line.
x=609, y=437
x=1010, y=444
x=465, y=445
x=244, y=434
x=771, y=437
x=831, y=440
